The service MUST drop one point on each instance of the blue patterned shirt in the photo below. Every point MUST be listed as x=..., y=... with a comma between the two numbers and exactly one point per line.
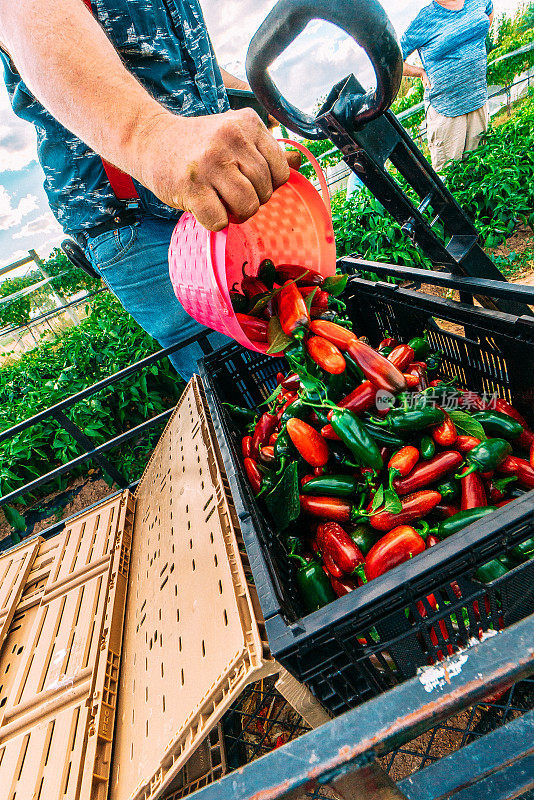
x=452, y=48
x=165, y=44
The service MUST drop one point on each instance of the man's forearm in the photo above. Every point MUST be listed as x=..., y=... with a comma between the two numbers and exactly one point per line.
x=231, y=82
x=411, y=71
x=72, y=68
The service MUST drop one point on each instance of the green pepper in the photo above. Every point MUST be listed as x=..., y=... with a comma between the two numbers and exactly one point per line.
x=427, y=447
x=524, y=551
x=239, y=302
x=420, y=346
x=490, y=571
x=340, y=456
x=401, y=421
x=383, y=436
x=335, y=387
x=240, y=413
x=487, y=456
x=386, y=351
x=283, y=448
x=296, y=409
x=331, y=486
x=363, y=537
x=267, y=273
x=459, y=521
x=313, y=585
x=433, y=362
x=449, y=489
x=354, y=435
x=497, y=424
x=353, y=368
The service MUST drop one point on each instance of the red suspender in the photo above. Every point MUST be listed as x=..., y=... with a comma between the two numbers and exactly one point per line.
x=121, y=183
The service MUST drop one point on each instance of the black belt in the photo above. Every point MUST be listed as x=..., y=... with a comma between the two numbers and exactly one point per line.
x=114, y=223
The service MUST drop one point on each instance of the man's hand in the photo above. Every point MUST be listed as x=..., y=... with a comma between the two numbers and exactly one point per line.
x=214, y=166
x=426, y=80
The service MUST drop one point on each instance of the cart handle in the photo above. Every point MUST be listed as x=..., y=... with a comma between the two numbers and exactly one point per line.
x=364, y=20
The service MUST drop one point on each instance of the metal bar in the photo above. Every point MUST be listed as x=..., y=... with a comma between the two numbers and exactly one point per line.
x=385, y=722
x=474, y=762
x=93, y=454
x=53, y=313
x=15, y=265
x=96, y=387
x=512, y=291
x=89, y=447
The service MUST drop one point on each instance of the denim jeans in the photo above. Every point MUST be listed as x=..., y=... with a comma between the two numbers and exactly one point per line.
x=133, y=263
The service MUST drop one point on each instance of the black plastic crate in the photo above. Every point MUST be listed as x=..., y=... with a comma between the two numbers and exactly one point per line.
x=374, y=638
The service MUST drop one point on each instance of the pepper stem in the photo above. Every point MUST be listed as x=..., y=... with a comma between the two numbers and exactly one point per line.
x=424, y=530
x=472, y=468
x=302, y=561
x=393, y=473
x=360, y=573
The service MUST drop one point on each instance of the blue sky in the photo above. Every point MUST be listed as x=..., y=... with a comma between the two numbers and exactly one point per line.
x=321, y=56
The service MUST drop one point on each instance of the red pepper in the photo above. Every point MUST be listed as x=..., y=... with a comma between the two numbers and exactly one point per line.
x=396, y=547
x=262, y=432
x=329, y=565
x=431, y=540
x=327, y=432
x=305, y=479
x=401, y=356
x=445, y=434
x=466, y=443
x=431, y=600
x=381, y=372
x=504, y=502
x=388, y=342
x=318, y=471
x=404, y=460
x=414, y=506
x=446, y=510
x=310, y=444
x=319, y=300
x=527, y=437
x=292, y=272
x=292, y=309
x=411, y=380
x=384, y=454
x=246, y=446
x=267, y=454
x=472, y=401
x=342, y=586
x=418, y=371
x=428, y=472
x=327, y=508
x=361, y=399
x=326, y=355
x=279, y=378
x=272, y=439
x=532, y=454
x=334, y=541
x=253, y=474
x=497, y=489
x=253, y=286
x=336, y=334
x=512, y=465
x=473, y=492
x=255, y=329
x=292, y=382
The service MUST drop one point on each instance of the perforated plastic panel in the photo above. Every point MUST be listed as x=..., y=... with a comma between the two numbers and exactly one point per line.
x=62, y=611
x=191, y=638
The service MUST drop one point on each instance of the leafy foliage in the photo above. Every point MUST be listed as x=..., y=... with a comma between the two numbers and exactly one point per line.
x=106, y=341
x=511, y=34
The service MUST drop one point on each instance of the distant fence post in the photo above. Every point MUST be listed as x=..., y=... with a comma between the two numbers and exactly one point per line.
x=60, y=301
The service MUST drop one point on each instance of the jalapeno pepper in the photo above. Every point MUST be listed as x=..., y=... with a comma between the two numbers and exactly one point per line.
x=414, y=507
x=253, y=474
x=431, y=541
x=449, y=490
x=401, y=421
x=340, y=456
x=401, y=356
x=396, y=547
x=531, y=455
x=239, y=302
x=445, y=434
x=342, y=586
x=292, y=310
x=512, y=465
x=267, y=273
x=335, y=388
x=296, y=409
x=291, y=382
x=497, y=424
x=497, y=488
x=335, y=334
x=354, y=435
x=363, y=537
x=428, y=472
x=352, y=368
x=526, y=439
x=420, y=346
x=466, y=443
x=332, y=485
x=362, y=398
x=244, y=415
x=387, y=342
x=312, y=583
x=333, y=540
x=491, y=571
x=253, y=287
x=433, y=362
x=473, y=492
x=255, y=329
x=403, y=461
x=381, y=372
x=459, y=521
x=327, y=508
x=487, y=455
x=326, y=355
x=418, y=371
x=310, y=444
x=411, y=380
x=264, y=427
x=427, y=447
x=445, y=510
x=302, y=275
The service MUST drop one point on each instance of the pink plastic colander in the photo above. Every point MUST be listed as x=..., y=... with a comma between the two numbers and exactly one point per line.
x=294, y=227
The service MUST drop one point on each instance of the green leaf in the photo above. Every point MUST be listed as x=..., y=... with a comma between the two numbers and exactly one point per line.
x=378, y=499
x=309, y=299
x=278, y=340
x=392, y=502
x=466, y=425
x=335, y=285
x=15, y=519
x=274, y=394
x=283, y=500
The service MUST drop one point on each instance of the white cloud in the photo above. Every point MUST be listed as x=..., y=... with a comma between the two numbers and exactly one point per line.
x=45, y=223
x=17, y=138
x=10, y=215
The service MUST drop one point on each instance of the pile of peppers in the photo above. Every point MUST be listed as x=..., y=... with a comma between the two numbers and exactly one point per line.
x=357, y=463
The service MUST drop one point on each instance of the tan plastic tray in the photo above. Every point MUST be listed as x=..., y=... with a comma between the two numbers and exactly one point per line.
x=61, y=613
x=191, y=636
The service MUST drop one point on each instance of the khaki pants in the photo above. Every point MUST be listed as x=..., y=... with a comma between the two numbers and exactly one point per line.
x=451, y=137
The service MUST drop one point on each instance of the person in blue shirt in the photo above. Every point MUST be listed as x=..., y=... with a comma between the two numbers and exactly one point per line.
x=450, y=37
x=136, y=82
